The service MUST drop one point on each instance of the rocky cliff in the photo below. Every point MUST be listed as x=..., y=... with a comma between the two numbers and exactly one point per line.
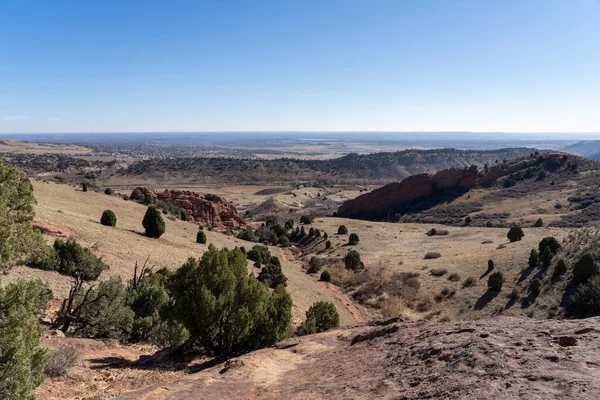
x=394, y=195
x=205, y=209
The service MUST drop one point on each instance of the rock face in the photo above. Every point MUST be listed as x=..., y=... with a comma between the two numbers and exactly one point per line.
x=52, y=230
x=409, y=189
x=205, y=209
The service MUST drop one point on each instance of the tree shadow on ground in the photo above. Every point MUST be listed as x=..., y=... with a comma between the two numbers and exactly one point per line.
x=529, y=300
x=525, y=273
x=160, y=361
x=486, y=273
x=485, y=299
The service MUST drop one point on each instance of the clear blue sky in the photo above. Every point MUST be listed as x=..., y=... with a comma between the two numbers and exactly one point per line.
x=376, y=65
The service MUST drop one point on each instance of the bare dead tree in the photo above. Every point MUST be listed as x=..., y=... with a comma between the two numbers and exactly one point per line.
x=143, y=272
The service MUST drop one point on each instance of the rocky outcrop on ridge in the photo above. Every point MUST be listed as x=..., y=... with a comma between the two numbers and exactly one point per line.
x=414, y=187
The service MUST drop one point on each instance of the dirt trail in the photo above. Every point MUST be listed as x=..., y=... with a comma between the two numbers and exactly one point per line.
x=331, y=291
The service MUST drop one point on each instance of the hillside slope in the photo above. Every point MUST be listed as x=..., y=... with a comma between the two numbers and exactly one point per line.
x=507, y=357
x=121, y=247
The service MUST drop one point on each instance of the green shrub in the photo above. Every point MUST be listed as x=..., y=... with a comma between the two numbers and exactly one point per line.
x=539, y=223
x=284, y=241
x=125, y=197
x=108, y=218
x=586, y=302
x=61, y=360
x=490, y=265
x=515, y=294
x=352, y=261
x=169, y=334
x=509, y=183
x=105, y=313
x=468, y=220
x=108, y=191
x=22, y=358
x=248, y=235
x=201, y=237
x=311, y=232
x=470, y=281
x=515, y=234
x=342, y=230
x=328, y=244
x=489, y=224
x=546, y=257
x=495, y=281
x=550, y=242
x=320, y=317
x=314, y=265
x=353, y=239
x=325, y=236
x=259, y=253
x=183, y=215
x=561, y=268
x=84, y=186
x=77, y=261
x=325, y=276
x=535, y=286
x=153, y=223
x=533, y=258
x=226, y=311
x=306, y=219
x=585, y=268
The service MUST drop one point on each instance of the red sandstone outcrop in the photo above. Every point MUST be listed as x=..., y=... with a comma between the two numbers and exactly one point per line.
x=52, y=230
x=411, y=188
x=205, y=209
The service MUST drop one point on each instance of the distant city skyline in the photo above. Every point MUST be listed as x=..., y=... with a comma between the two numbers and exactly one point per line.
x=528, y=67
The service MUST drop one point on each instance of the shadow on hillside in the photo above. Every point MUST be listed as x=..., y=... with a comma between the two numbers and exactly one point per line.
x=137, y=232
x=485, y=299
x=486, y=273
x=525, y=273
x=160, y=361
x=529, y=300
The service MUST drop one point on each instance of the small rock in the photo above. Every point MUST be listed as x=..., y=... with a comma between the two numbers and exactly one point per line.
x=566, y=341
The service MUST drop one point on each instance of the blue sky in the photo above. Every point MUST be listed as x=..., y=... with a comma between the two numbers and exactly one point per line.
x=372, y=65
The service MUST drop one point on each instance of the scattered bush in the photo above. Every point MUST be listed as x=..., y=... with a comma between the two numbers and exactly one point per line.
x=259, y=253
x=549, y=242
x=325, y=236
x=495, y=281
x=353, y=239
x=490, y=265
x=515, y=294
x=535, y=286
x=328, y=244
x=438, y=271
x=125, y=197
x=271, y=274
x=201, y=237
x=314, y=265
x=154, y=223
x=546, y=257
x=352, y=261
x=432, y=255
x=183, y=215
x=108, y=218
x=84, y=186
x=533, y=258
x=468, y=220
x=306, y=220
x=108, y=191
x=61, y=361
x=342, y=230
x=320, y=317
x=325, y=276
x=77, y=261
x=470, y=281
x=515, y=234
x=539, y=223
x=585, y=268
x=586, y=302
x=454, y=277
x=561, y=268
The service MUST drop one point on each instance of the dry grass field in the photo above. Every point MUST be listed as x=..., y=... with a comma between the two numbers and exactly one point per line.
x=124, y=245
x=465, y=251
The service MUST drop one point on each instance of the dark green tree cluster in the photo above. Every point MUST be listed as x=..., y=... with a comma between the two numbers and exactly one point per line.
x=515, y=234
x=353, y=262
x=226, y=311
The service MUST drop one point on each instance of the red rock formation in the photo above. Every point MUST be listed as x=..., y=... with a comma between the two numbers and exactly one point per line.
x=52, y=230
x=411, y=188
x=205, y=209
